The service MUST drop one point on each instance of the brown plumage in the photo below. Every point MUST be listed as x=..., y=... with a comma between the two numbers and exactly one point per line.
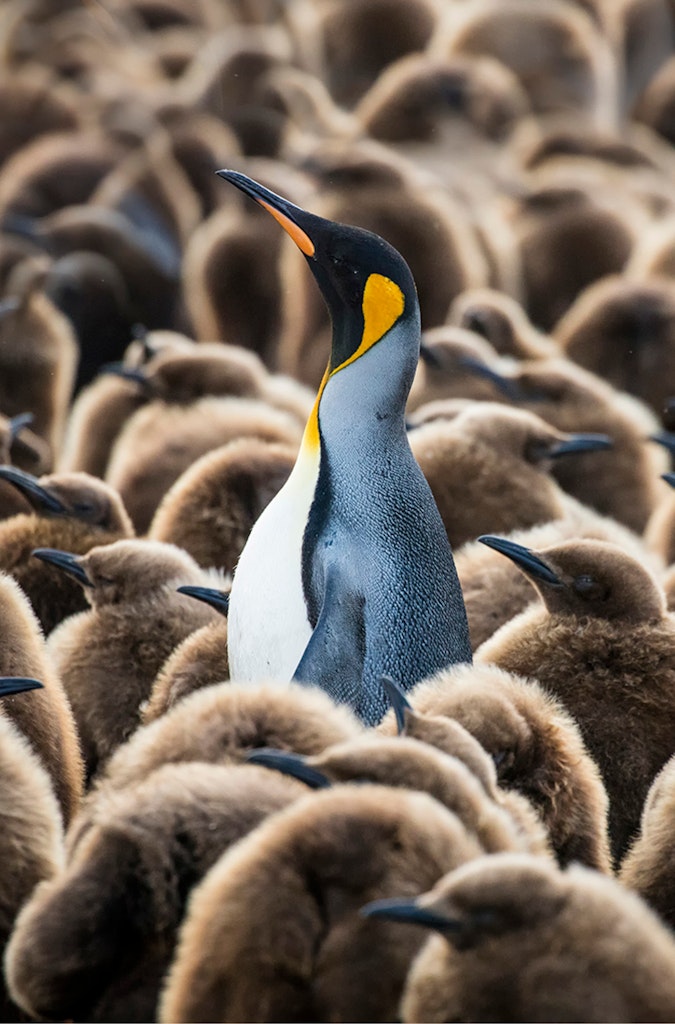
x=34, y=105
x=407, y=763
x=101, y=409
x=536, y=747
x=656, y=106
x=568, y=237
x=521, y=941
x=274, y=929
x=212, y=507
x=31, y=835
x=348, y=46
x=562, y=61
x=38, y=355
x=425, y=106
x=52, y=172
x=133, y=859
x=648, y=865
x=225, y=252
x=446, y=368
x=70, y=511
x=437, y=730
x=149, y=267
x=44, y=717
x=223, y=723
x=161, y=441
x=108, y=656
x=624, y=331
x=200, y=660
x=502, y=321
x=495, y=591
x=602, y=642
x=512, y=450
x=20, y=447
x=622, y=482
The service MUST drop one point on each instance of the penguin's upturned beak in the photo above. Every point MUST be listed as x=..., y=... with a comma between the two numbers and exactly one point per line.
x=290, y=217
x=577, y=443
x=18, y=684
x=218, y=599
x=531, y=564
x=409, y=912
x=39, y=497
x=289, y=764
x=65, y=561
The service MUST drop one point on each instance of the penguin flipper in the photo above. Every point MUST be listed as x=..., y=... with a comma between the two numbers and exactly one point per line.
x=333, y=657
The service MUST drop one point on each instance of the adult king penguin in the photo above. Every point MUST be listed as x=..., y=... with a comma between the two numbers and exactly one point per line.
x=348, y=575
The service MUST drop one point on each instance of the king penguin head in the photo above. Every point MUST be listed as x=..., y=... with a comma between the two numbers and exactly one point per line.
x=365, y=282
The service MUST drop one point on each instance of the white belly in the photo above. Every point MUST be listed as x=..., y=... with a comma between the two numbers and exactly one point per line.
x=268, y=628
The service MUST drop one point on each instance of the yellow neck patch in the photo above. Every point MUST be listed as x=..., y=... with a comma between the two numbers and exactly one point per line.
x=382, y=305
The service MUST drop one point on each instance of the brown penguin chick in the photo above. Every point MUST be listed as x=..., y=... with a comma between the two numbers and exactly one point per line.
x=602, y=642
x=502, y=321
x=447, y=368
x=520, y=940
x=52, y=172
x=133, y=858
x=159, y=442
x=406, y=763
x=227, y=249
x=212, y=507
x=624, y=331
x=428, y=226
x=71, y=511
x=656, y=106
x=19, y=446
x=44, y=717
x=222, y=724
x=38, y=354
x=200, y=660
x=643, y=31
x=648, y=866
x=148, y=263
x=495, y=591
x=33, y=106
x=226, y=78
x=274, y=930
x=536, y=747
x=561, y=59
x=451, y=738
x=101, y=409
x=426, y=106
x=108, y=657
x=622, y=482
x=567, y=237
x=349, y=45
x=150, y=187
x=511, y=448
x=31, y=834
x=182, y=376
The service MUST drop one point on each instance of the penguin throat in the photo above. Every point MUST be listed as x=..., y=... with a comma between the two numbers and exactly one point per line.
x=382, y=306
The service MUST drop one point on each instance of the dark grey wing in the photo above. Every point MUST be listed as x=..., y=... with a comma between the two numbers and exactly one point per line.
x=333, y=658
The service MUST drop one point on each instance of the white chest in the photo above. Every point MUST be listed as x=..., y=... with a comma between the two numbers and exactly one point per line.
x=268, y=628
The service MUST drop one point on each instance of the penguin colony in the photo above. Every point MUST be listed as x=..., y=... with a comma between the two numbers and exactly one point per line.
x=337, y=526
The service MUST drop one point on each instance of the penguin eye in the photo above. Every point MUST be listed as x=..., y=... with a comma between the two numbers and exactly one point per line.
x=536, y=450
x=503, y=761
x=589, y=588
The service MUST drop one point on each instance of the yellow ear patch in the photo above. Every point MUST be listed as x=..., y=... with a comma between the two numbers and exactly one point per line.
x=382, y=305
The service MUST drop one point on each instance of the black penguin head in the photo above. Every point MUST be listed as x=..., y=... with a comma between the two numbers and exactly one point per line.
x=365, y=282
